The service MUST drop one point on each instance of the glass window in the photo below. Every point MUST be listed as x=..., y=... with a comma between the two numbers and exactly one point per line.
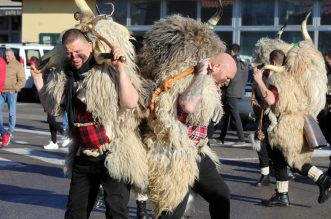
x=3, y=38
x=16, y=22
x=120, y=10
x=187, y=8
x=324, y=43
x=15, y=37
x=208, y=8
x=4, y=23
x=145, y=12
x=293, y=12
x=31, y=53
x=325, y=12
x=226, y=36
x=294, y=36
x=261, y=14
x=249, y=39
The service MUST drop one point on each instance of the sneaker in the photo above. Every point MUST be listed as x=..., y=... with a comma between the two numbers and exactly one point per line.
x=51, y=146
x=66, y=142
x=6, y=139
x=239, y=144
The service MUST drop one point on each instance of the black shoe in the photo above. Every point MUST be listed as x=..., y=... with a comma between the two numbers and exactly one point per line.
x=290, y=175
x=263, y=181
x=324, y=184
x=141, y=210
x=278, y=199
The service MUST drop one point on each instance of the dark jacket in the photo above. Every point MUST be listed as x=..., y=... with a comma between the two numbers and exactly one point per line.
x=237, y=85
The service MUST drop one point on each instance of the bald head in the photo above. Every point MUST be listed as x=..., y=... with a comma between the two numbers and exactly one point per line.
x=223, y=68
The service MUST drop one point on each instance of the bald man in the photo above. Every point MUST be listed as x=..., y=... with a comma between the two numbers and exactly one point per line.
x=210, y=184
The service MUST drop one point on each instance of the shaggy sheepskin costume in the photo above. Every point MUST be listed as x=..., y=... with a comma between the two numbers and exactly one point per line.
x=301, y=85
x=127, y=158
x=173, y=45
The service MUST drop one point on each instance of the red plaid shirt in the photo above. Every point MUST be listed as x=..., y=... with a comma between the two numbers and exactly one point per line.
x=195, y=133
x=92, y=136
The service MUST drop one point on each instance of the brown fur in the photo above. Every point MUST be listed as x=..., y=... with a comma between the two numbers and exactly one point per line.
x=172, y=45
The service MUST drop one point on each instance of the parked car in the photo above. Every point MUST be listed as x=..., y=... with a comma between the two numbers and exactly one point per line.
x=23, y=53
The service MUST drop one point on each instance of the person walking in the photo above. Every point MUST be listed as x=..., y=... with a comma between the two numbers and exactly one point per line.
x=15, y=81
x=232, y=95
x=261, y=108
x=2, y=73
x=94, y=123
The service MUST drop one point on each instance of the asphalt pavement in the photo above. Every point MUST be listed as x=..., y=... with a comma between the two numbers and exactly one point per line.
x=32, y=184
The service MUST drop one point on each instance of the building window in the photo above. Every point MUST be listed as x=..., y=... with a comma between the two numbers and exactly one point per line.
x=324, y=43
x=261, y=14
x=325, y=12
x=209, y=7
x=249, y=39
x=294, y=36
x=145, y=12
x=226, y=36
x=293, y=12
x=120, y=11
x=187, y=8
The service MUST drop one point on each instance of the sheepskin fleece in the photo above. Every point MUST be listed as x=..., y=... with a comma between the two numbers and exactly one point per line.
x=172, y=45
x=302, y=88
x=265, y=46
x=127, y=160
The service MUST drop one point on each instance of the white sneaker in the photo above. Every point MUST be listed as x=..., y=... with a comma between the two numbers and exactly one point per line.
x=51, y=146
x=66, y=142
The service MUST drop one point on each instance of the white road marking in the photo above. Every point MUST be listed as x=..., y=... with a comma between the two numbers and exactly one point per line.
x=48, y=156
x=9, y=163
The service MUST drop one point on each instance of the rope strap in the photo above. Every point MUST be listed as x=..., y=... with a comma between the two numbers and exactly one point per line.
x=168, y=84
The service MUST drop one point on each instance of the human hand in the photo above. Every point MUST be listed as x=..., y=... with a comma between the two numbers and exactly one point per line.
x=117, y=62
x=257, y=74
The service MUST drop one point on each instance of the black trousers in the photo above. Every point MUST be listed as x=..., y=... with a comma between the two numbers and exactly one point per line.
x=54, y=127
x=231, y=114
x=212, y=188
x=275, y=155
x=87, y=175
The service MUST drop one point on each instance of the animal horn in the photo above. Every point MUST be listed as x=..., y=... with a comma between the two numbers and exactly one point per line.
x=281, y=30
x=304, y=28
x=217, y=16
x=274, y=68
x=84, y=8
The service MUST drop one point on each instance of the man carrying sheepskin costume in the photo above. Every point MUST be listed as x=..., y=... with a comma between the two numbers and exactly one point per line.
x=296, y=90
x=186, y=59
x=101, y=97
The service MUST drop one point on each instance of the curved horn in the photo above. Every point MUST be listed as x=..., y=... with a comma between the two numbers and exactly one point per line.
x=274, y=68
x=281, y=30
x=304, y=28
x=84, y=8
x=217, y=16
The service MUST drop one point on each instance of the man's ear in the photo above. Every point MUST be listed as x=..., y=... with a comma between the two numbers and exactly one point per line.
x=215, y=67
x=90, y=45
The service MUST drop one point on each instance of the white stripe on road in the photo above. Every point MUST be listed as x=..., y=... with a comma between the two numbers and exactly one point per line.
x=47, y=157
x=9, y=163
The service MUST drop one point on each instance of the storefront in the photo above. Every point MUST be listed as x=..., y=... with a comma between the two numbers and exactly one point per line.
x=10, y=21
x=243, y=21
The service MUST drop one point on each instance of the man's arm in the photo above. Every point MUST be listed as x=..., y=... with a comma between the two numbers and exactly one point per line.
x=20, y=78
x=267, y=94
x=192, y=96
x=128, y=95
x=39, y=84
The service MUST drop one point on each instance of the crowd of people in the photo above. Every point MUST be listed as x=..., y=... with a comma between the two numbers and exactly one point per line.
x=106, y=100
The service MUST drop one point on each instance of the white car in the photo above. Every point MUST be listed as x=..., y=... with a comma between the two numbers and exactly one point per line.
x=23, y=53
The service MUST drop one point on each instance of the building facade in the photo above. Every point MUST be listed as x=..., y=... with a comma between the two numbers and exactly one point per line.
x=242, y=22
x=10, y=21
